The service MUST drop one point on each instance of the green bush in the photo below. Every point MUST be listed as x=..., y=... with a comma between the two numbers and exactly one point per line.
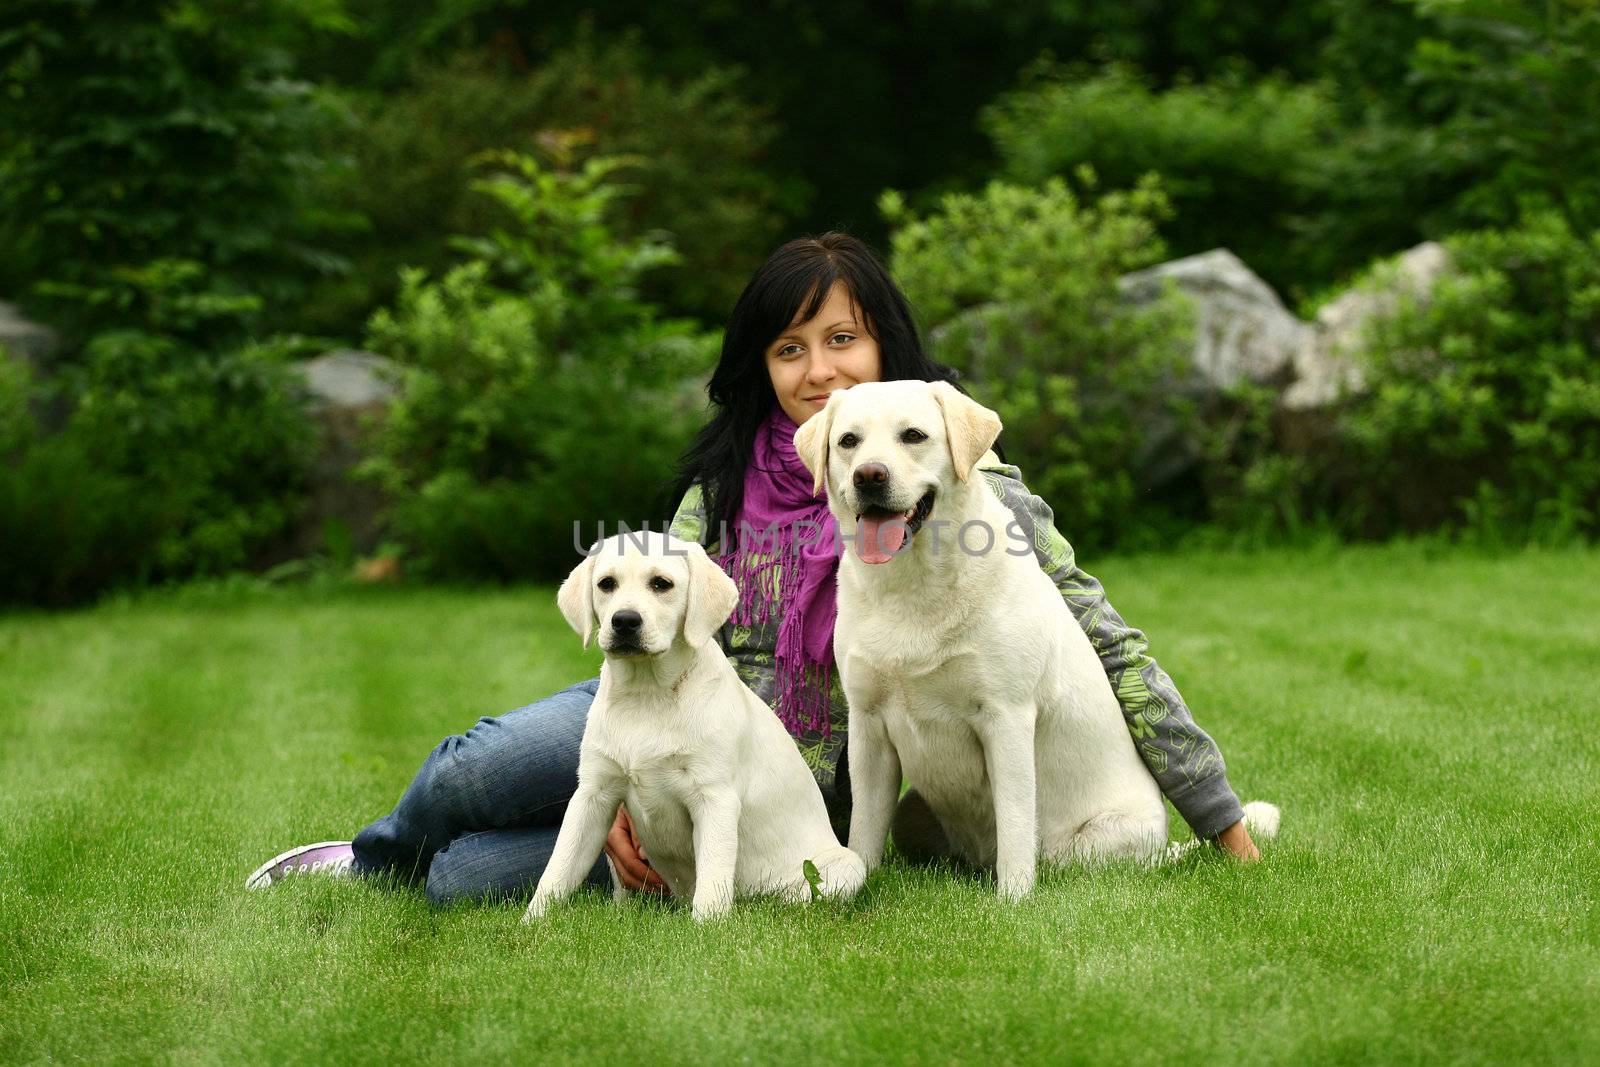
x=1017, y=288
x=1478, y=415
x=699, y=146
x=172, y=462
x=134, y=133
x=1484, y=410
x=69, y=527
x=537, y=389
x=1265, y=168
x=1419, y=120
x=218, y=442
x=1499, y=93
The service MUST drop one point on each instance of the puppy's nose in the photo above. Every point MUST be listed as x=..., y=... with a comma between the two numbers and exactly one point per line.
x=627, y=622
x=871, y=475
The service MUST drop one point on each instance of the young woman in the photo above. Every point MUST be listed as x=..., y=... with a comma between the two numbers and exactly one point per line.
x=481, y=816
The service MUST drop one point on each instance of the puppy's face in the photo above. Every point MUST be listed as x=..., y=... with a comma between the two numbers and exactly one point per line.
x=643, y=592
x=886, y=450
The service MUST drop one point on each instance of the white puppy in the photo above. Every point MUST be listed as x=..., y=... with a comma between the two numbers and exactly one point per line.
x=961, y=663
x=716, y=788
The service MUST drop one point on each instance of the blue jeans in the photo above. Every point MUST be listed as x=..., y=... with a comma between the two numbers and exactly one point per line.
x=480, y=819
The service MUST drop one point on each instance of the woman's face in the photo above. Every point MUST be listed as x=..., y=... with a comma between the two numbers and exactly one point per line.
x=829, y=351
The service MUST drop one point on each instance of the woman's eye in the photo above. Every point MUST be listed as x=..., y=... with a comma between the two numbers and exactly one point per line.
x=660, y=585
x=913, y=435
x=607, y=584
x=847, y=338
x=789, y=350
x=849, y=440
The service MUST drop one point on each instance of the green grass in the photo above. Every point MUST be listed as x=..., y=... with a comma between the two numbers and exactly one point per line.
x=1426, y=720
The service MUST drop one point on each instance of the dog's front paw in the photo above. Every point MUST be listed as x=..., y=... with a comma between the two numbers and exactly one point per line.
x=1016, y=885
x=707, y=911
x=536, y=909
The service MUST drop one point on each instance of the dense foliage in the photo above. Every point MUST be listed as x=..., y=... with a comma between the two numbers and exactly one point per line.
x=537, y=387
x=190, y=188
x=1423, y=118
x=138, y=133
x=696, y=144
x=1018, y=289
x=173, y=462
x=1485, y=400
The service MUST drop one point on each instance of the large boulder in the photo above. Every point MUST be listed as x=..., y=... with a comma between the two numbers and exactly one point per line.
x=347, y=391
x=1327, y=367
x=1242, y=331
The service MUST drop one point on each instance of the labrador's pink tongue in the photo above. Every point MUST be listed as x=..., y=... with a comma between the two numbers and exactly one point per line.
x=878, y=539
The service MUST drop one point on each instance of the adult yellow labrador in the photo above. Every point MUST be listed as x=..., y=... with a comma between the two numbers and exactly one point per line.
x=962, y=665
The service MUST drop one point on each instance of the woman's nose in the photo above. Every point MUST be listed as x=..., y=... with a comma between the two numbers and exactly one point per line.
x=820, y=369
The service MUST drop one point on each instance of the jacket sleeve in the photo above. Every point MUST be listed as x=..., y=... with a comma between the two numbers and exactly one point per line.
x=1185, y=761
x=689, y=522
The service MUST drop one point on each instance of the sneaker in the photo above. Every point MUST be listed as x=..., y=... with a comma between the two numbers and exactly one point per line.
x=331, y=858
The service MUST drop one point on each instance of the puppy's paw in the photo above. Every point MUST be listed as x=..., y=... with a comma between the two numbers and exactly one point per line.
x=536, y=909
x=710, y=911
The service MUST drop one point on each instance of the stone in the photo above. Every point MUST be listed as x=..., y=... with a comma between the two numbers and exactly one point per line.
x=31, y=342
x=1327, y=367
x=1242, y=331
x=347, y=392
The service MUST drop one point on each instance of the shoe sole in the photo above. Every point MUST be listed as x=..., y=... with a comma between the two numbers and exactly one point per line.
x=262, y=877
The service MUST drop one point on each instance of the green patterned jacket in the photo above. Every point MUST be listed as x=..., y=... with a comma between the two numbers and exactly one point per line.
x=1182, y=757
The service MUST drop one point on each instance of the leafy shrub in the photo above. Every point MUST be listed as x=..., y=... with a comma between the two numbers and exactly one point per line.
x=69, y=528
x=1018, y=289
x=1485, y=403
x=1420, y=120
x=1265, y=168
x=173, y=462
x=699, y=147
x=218, y=442
x=536, y=389
x=1500, y=93
x=133, y=133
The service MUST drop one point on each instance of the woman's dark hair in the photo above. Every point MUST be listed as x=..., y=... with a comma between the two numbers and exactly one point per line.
x=791, y=286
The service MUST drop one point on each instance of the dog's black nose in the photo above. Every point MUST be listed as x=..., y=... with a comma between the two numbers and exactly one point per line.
x=871, y=475
x=627, y=622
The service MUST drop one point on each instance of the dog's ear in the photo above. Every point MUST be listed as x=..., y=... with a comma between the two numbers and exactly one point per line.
x=969, y=427
x=575, y=598
x=711, y=598
x=811, y=442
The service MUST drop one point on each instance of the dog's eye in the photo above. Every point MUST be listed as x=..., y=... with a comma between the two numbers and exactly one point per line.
x=849, y=440
x=913, y=435
x=607, y=584
x=660, y=584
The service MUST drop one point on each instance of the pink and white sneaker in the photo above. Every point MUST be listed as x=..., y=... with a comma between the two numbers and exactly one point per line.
x=329, y=858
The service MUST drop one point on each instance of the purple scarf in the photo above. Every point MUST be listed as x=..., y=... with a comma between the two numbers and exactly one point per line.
x=777, y=490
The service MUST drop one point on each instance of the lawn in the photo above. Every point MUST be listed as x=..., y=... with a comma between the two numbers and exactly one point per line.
x=1426, y=719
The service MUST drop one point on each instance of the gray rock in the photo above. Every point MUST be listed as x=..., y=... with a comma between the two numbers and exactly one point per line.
x=1242, y=331
x=24, y=339
x=348, y=392
x=348, y=379
x=1327, y=367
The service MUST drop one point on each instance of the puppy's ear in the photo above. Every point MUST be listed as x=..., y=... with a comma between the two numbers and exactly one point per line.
x=575, y=598
x=711, y=598
x=811, y=442
x=969, y=427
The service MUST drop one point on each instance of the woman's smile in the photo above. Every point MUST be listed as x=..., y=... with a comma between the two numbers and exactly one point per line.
x=831, y=350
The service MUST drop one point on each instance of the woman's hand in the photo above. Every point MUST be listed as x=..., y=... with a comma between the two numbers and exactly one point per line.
x=627, y=855
x=1236, y=842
